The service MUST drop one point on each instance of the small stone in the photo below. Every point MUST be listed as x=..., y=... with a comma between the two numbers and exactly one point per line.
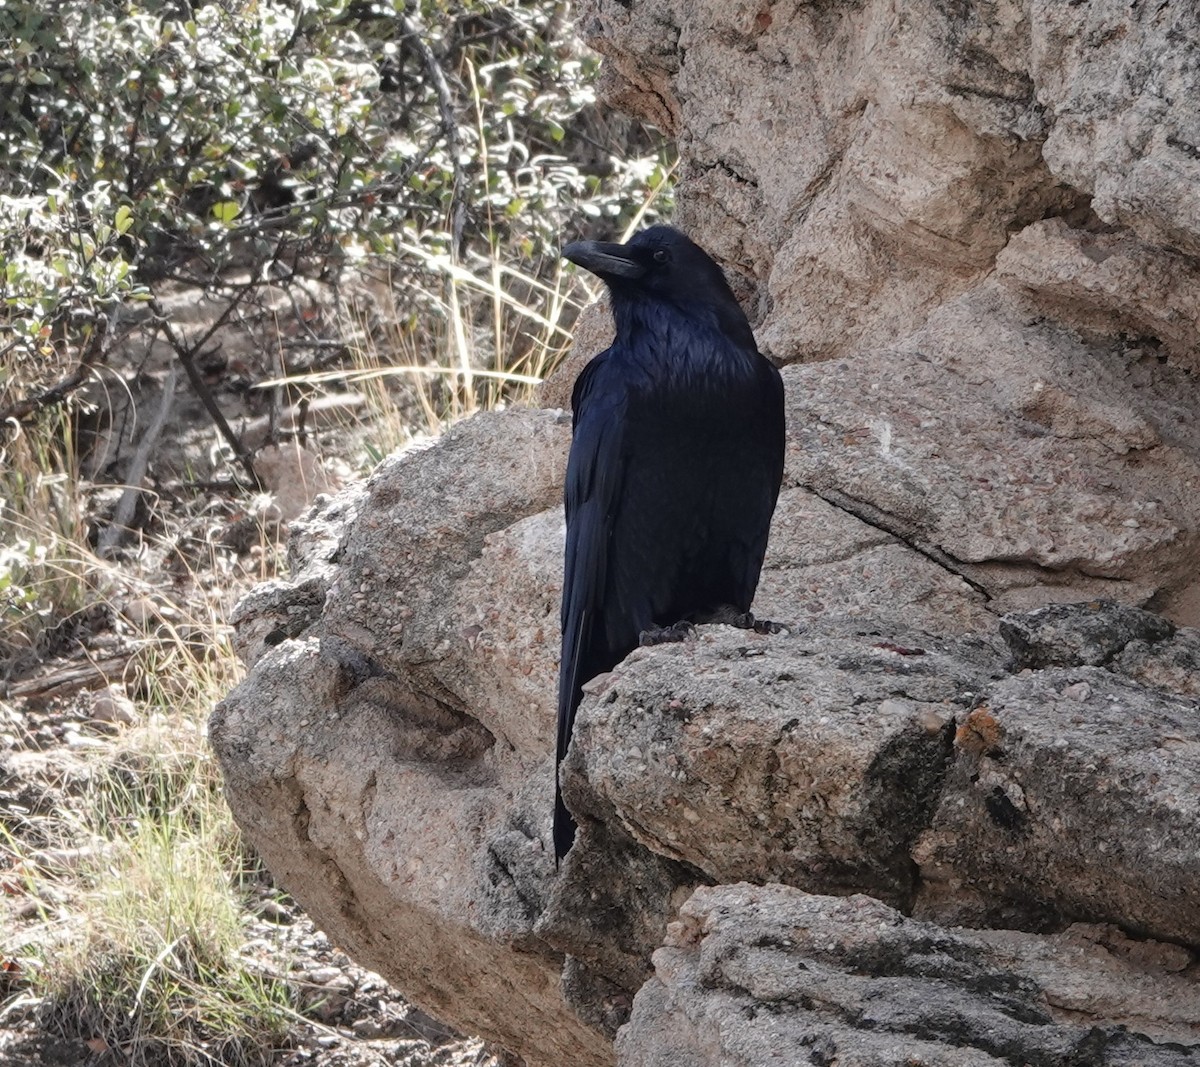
x=323, y=975
x=141, y=611
x=274, y=912
x=111, y=704
x=932, y=722
x=61, y=859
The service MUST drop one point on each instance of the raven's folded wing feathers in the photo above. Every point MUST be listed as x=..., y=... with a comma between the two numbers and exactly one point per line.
x=591, y=496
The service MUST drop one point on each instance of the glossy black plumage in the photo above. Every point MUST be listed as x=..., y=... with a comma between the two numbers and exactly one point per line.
x=675, y=463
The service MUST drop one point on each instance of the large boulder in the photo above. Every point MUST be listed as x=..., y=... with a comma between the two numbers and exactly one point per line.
x=970, y=234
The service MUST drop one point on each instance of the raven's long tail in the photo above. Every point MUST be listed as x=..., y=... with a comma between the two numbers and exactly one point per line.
x=564, y=825
x=576, y=633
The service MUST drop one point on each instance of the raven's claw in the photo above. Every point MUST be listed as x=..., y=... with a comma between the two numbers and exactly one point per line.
x=663, y=635
x=747, y=621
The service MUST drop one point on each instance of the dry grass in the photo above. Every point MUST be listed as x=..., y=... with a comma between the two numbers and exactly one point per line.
x=45, y=567
x=136, y=946
x=489, y=331
x=139, y=881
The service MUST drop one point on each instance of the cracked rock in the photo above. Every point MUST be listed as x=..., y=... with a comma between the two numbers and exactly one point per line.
x=1074, y=795
x=752, y=976
x=813, y=759
x=1079, y=635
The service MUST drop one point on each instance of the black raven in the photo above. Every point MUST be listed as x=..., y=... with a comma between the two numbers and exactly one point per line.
x=675, y=466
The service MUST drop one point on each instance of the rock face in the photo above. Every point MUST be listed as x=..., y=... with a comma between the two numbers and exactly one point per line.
x=972, y=234
x=750, y=972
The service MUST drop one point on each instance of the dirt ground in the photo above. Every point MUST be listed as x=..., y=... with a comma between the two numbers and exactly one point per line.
x=353, y=1018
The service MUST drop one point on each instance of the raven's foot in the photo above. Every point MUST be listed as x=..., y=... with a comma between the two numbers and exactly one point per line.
x=662, y=635
x=745, y=620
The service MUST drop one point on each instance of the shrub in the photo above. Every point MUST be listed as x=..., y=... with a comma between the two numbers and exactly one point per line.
x=142, y=145
x=348, y=183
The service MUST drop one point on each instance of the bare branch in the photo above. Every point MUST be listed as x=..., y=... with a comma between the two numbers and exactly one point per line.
x=127, y=505
x=449, y=127
x=98, y=345
x=187, y=356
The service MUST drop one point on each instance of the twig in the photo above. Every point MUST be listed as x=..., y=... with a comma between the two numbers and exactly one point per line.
x=127, y=505
x=187, y=354
x=458, y=210
x=57, y=393
x=63, y=679
x=337, y=343
x=154, y=966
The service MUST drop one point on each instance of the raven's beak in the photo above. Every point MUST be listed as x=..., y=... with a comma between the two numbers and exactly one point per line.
x=604, y=259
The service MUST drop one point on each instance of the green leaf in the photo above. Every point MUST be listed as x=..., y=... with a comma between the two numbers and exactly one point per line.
x=226, y=211
x=123, y=219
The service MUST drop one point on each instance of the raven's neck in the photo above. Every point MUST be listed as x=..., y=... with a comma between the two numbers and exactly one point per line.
x=662, y=321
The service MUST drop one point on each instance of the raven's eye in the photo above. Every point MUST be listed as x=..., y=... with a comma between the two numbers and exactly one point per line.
x=661, y=256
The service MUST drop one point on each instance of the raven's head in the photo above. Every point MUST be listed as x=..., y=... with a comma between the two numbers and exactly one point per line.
x=662, y=263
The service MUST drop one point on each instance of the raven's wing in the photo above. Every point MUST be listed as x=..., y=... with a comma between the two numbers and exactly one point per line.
x=762, y=481
x=593, y=485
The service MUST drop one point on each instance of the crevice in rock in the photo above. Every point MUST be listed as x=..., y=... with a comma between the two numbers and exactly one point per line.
x=868, y=513
x=1066, y=636
x=832, y=560
x=502, y=868
x=729, y=171
x=907, y=778
x=484, y=526
x=878, y=519
x=1025, y=1037
x=613, y=901
x=1078, y=214
x=301, y=816
x=1023, y=99
x=958, y=1031
x=798, y=214
x=368, y=796
x=354, y=666
x=596, y=999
